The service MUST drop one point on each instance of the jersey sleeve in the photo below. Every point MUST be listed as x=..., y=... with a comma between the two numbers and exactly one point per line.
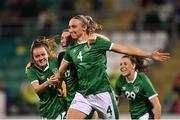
x=104, y=44
x=32, y=76
x=148, y=87
x=118, y=86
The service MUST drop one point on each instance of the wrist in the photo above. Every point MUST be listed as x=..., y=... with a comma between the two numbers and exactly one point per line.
x=48, y=82
x=150, y=55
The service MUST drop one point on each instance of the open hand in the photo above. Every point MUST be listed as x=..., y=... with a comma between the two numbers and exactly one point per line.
x=160, y=56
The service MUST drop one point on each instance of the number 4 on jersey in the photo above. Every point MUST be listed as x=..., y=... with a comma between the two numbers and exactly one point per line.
x=80, y=56
x=109, y=110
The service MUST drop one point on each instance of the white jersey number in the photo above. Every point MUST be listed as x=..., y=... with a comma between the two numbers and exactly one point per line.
x=130, y=95
x=67, y=73
x=80, y=56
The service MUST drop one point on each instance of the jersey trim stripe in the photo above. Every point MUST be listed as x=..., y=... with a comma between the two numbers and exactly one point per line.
x=65, y=60
x=153, y=96
x=34, y=81
x=111, y=46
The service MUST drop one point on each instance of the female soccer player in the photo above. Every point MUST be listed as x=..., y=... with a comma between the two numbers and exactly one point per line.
x=52, y=103
x=94, y=90
x=70, y=76
x=138, y=89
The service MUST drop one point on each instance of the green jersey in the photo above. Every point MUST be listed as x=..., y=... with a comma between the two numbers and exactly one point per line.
x=138, y=93
x=90, y=63
x=71, y=81
x=50, y=104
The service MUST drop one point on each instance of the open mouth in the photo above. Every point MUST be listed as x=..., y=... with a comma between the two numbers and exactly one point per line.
x=42, y=61
x=123, y=70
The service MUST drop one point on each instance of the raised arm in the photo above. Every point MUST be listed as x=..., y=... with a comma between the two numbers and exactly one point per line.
x=155, y=55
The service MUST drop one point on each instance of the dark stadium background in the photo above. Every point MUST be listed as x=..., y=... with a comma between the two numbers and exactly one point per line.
x=148, y=24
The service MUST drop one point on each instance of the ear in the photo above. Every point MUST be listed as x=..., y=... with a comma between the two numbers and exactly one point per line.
x=84, y=27
x=134, y=66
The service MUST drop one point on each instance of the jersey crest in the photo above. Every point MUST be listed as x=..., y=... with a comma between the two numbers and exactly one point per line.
x=136, y=89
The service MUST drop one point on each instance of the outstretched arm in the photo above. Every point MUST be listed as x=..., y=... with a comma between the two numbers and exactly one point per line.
x=155, y=55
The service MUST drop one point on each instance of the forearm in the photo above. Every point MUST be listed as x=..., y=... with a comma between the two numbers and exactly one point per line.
x=41, y=88
x=157, y=112
x=62, y=69
x=131, y=50
x=156, y=107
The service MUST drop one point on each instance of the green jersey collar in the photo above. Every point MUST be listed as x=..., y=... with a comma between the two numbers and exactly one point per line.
x=47, y=67
x=44, y=68
x=135, y=76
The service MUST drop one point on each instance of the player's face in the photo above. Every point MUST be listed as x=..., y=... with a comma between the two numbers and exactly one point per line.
x=64, y=39
x=75, y=28
x=126, y=66
x=40, y=57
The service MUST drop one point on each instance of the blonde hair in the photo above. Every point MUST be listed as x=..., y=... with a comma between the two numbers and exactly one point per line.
x=92, y=26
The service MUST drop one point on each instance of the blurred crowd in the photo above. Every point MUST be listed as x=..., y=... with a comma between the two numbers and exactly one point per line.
x=23, y=20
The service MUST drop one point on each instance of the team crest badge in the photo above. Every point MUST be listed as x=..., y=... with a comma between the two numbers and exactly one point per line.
x=136, y=89
x=123, y=88
x=55, y=70
x=43, y=77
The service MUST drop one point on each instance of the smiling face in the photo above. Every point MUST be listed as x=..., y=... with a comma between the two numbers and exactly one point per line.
x=76, y=28
x=65, y=39
x=127, y=68
x=40, y=57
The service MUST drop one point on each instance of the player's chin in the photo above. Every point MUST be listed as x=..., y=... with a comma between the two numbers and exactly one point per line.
x=74, y=36
x=42, y=65
x=124, y=73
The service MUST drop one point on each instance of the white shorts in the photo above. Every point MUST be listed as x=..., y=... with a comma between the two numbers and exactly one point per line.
x=144, y=117
x=103, y=103
x=59, y=117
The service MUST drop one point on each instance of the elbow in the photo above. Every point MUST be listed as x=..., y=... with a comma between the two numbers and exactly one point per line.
x=37, y=91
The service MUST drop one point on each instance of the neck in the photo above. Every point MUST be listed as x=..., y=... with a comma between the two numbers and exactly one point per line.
x=84, y=37
x=131, y=76
x=41, y=68
x=64, y=48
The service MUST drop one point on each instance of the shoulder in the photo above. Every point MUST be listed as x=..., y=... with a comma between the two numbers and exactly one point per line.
x=100, y=39
x=102, y=36
x=102, y=43
x=121, y=79
x=142, y=77
x=31, y=70
x=141, y=74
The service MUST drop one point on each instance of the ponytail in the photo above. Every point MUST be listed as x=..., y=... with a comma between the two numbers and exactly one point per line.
x=92, y=26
